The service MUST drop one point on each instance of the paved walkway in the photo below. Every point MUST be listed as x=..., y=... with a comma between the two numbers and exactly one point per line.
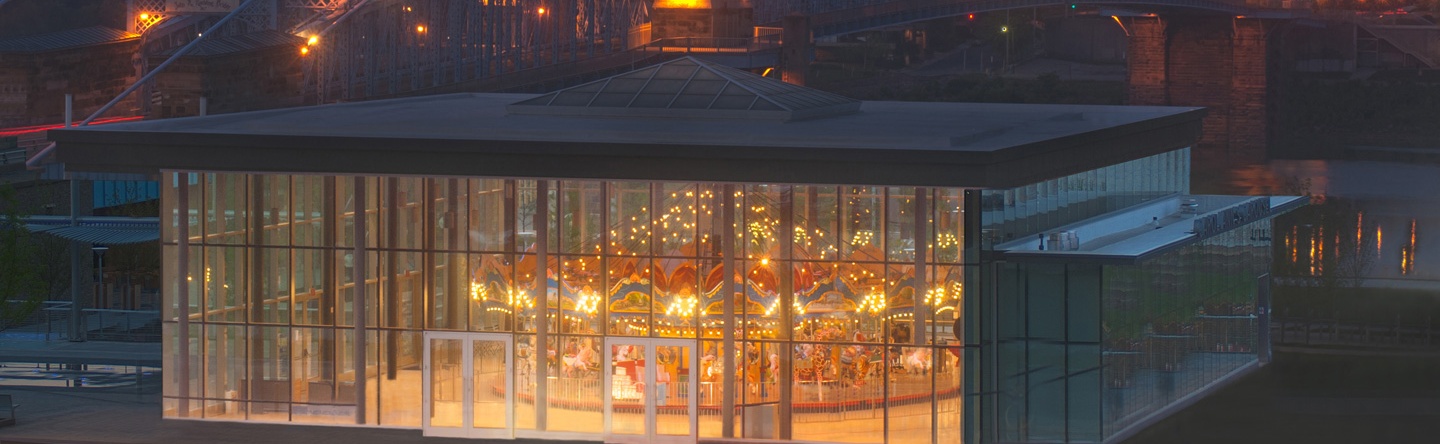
x=90, y=352
x=120, y=415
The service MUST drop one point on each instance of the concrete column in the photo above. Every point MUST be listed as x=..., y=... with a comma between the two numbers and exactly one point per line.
x=795, y=49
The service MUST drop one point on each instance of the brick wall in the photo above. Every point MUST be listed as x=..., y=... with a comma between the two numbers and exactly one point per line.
x=1248, y=119
x=243, y=81
x=93, y=74
x=1215, y=62
x=1146, y=59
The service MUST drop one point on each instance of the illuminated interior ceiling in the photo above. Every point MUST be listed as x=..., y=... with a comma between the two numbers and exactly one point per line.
x=689, y=87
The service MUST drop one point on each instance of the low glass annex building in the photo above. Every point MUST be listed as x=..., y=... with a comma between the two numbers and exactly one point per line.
x=690, y=252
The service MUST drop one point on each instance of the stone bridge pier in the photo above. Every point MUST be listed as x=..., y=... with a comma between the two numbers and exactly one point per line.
x=1215, y=62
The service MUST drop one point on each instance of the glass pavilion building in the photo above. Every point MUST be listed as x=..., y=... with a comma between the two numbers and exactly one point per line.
x=689, y=253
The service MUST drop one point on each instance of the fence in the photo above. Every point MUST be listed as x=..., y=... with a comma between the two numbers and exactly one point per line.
x=52, y=321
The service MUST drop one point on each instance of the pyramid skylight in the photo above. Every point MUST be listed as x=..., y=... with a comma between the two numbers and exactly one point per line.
x=688, y=87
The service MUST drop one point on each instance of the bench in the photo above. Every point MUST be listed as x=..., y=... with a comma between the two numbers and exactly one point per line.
x=6, y=403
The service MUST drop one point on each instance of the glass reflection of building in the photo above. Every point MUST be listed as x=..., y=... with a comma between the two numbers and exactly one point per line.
x=617, y=306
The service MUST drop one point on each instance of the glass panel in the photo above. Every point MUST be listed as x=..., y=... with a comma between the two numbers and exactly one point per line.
x=308, y=204
x=225, y=373
x=488, y=230
x=627, y=389
x=629, y=303
x=711, y=389
x=675, y=224
x=312, y=305
x=671, y=395
x=677, y=290
x=862, y=235
x=580, y=295
x=269, y=372
x=910, y=402
x=447, y=384
x=400, y=379
x=629, y=219
x=900, y=224
x=491, y=285
x=815, y=219
x=575, y=389
x=271, y=303
x=491, y=363
x=274, y=201
x=581, y=217
x=527, y=359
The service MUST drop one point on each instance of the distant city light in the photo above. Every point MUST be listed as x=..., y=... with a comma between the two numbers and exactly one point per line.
x=541, y=10
x=313, y=40
x=1004, y=29
x=304, y=50
x=420, y=28
x=407, y=9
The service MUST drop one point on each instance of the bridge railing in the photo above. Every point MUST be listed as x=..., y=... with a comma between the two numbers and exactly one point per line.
x=12, y=156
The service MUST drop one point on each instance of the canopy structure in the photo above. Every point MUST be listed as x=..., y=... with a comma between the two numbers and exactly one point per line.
x=101, y=230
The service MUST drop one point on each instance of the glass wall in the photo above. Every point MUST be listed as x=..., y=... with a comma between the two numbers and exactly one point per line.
x=1045, y=358
x=1180, y=321
x=1010, y=214
x=821, y=313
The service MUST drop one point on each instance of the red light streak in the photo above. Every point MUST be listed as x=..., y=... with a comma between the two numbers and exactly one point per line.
x=23, y=130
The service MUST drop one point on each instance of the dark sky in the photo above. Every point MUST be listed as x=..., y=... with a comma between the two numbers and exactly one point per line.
x=28, y=17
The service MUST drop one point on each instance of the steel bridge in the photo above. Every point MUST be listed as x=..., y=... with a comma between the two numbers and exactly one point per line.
x=359, y=49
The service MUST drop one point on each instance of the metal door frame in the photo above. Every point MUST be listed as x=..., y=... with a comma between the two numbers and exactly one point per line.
x=467, y=427
x=651, y=367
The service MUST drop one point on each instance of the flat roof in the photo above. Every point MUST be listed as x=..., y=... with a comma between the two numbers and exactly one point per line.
x=472, y=134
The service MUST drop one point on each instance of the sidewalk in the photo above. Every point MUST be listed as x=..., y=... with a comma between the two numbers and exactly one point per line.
x=120, y=415
x=90, y=352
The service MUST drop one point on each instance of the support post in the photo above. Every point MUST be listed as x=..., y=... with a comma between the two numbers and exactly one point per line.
x=358, y=279
x=182, y=296
x=727, y=291
x=542, y=300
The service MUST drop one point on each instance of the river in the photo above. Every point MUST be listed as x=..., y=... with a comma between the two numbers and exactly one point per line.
x=1390, y=212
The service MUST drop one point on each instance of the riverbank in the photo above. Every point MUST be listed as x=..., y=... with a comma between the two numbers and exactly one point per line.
x=1316, y=398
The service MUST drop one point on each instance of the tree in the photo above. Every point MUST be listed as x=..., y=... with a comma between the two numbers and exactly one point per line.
x=22, y=289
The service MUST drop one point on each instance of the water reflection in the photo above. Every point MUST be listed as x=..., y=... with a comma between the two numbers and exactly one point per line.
x=1369, y=220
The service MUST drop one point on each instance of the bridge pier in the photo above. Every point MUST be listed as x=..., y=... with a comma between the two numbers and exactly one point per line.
x=1216, y=62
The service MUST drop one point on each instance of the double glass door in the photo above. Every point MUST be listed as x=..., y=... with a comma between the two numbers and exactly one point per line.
x=468, y=385
x=651, y=390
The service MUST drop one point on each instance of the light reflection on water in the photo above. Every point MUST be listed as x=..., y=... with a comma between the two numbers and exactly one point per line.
x=1393, y=211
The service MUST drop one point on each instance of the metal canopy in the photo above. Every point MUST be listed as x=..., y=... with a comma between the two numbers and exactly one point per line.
x=98, y=229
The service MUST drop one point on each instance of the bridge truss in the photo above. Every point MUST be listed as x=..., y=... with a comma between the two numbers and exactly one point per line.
x=386, y=47
x=378, y=48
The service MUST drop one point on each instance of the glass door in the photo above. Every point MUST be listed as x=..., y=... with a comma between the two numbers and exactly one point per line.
x=468, y=385
x=649, y=385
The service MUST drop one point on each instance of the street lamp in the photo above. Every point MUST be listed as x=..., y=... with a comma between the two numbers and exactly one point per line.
x=100, y=253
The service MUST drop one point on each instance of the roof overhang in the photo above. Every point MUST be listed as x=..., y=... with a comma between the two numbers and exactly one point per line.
x=886, y=143
x=97, y=230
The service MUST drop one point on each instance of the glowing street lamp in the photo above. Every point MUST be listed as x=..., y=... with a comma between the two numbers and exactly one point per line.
x=420, y=29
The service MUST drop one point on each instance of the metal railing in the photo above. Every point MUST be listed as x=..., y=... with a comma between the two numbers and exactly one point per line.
x=12, y=156
x=52, y=322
